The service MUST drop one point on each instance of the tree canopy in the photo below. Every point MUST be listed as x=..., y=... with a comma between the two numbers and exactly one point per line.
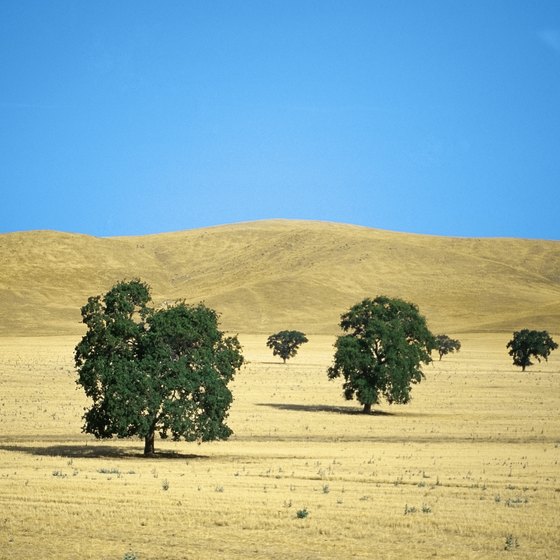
x=527, y=343
x=286, y=343
x=446, y=345
x=381, y=355
x=154, y=370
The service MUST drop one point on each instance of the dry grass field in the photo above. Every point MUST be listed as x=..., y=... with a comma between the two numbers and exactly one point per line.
x=265, y=276
x=474, y=458
x=469, y=469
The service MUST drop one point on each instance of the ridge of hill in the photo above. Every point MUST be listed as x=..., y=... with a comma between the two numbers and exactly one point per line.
x=269, y=275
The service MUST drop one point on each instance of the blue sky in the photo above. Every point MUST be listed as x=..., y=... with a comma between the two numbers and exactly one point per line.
x=136, y=117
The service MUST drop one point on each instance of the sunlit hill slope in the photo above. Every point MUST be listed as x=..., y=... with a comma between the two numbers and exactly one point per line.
x=269, y=275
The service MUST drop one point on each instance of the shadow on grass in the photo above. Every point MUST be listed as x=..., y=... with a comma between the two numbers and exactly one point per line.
x=351, y=410
x=284, y=365
x=268, y=363
x=96, y=451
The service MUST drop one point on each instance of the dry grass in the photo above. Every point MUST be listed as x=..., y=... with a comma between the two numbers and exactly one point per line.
x=468, y=469
x=476, y=454
x=270, y=275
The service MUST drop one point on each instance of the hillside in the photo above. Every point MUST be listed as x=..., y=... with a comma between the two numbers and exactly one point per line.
x=268, y=275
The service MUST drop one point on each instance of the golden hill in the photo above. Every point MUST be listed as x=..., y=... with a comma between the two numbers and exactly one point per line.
x=270, y=275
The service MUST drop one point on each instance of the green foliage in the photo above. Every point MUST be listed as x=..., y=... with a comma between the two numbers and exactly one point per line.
x=410, y=510
x=511, y=542
x=149, y=370
x=286, y=343
x=302, y=513
x=446, y=345
x=109, y=470
x=526, y=344
x=382, y=353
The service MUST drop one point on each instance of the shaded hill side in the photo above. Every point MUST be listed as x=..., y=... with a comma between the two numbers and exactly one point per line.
x=269, y=275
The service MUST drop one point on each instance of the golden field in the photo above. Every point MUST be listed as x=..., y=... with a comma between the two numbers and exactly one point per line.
x=476, y=454
x=265, y=276
x=472, y=459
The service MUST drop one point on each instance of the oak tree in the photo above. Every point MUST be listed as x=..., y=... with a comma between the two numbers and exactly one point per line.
x=446, y=345
x=286, y=343
x=381, y=355
x=151, y=371
x=527, y=343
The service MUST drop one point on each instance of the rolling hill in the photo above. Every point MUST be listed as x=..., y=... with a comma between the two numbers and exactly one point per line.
x=268, y=275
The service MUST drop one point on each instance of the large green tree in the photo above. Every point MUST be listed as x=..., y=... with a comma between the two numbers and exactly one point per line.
x=526, y=344
x=286, y=343
x=151, y=371
x=381, y=355
x=445, y=345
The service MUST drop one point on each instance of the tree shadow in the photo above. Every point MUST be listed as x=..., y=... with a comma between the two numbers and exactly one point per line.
x=279, y=363
x=286, y=365
x=263, y=363
x=350, y=410
x=96, y=452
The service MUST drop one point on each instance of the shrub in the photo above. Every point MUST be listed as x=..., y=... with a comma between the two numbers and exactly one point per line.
x=409, y=509
x=511, y=542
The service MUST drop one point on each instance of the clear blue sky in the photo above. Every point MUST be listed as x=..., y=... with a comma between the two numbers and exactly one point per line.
x=132, y=117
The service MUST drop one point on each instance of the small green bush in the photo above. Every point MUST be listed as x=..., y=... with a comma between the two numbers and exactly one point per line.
x=511, y=542
x=514, y=502
x=108, y=470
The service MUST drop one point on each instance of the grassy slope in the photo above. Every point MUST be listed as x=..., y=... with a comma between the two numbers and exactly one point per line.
x=268, y=275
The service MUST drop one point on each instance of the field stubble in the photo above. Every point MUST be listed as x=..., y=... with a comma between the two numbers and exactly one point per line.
x=468, y=470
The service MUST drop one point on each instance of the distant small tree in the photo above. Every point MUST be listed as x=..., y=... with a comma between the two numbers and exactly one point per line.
x=154, y=370
x=286, y=343
x=526, y=344
x=446, y=345
x=381, y=356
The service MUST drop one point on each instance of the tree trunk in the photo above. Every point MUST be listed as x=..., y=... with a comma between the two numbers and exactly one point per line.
x=367, y=408
x=149, y=444
x=523, y=367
